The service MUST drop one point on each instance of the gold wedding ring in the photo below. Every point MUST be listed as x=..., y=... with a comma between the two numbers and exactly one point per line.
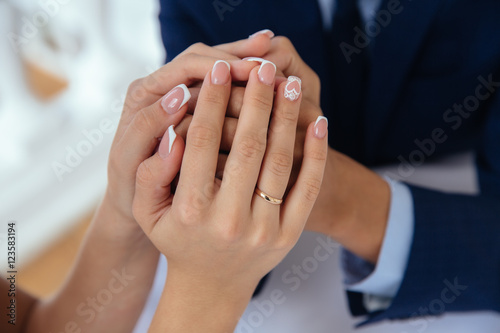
x=268, y=198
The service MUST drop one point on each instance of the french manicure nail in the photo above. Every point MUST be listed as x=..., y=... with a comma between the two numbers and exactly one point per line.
x=221, y=72
x=262, y=32
x=293, y=88
x=167, y=142
x=320, y=127
x=267, y=72
x=254, y=59
x=176, y=99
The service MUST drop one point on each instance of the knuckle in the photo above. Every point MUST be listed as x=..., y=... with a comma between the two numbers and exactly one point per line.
x=189, y=215
x=251, y=147
x=289, y=114
x=230, y=233
x=281, y=163
x=144, y=122
x=202, y=136
x=213, y=99
x=114, y=164
x=262, y=238
x=182, y=59
x=261, y=102
x=318, y=155
x=145, y=176
x=136, y=92
x=283, y=42
x=196, y=47
x=191, y=212
x=134, y=85
x=287, y=241
x=316, y=81
x=311, y=189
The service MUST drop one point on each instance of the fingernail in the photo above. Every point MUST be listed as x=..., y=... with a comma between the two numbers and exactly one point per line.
x=221, y=72
x=262, y=32
x=254, y=59
x=167, y=142
x=267, y=72
x=293, y=88
x=175, y=99
x=321, y=127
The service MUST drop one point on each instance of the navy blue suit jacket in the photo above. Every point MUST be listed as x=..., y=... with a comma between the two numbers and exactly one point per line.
x=430, y=69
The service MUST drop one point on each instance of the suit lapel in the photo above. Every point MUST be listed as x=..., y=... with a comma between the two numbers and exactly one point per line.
x=392, y=56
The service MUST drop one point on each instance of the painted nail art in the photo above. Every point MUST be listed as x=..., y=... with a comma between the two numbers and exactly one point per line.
x=293, y=88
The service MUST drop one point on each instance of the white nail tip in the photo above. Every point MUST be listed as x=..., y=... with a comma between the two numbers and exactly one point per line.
x=319, y=119
x=254, y=59
x=262, y=32
x=171, y=137
x=292, y=94
x=187, y=94
x=225, y=62
x=263, y=61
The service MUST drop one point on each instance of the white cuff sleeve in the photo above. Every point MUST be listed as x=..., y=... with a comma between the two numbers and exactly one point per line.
x=385, y=278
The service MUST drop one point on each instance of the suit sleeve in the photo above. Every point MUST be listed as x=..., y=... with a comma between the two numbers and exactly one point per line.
x=454, y=263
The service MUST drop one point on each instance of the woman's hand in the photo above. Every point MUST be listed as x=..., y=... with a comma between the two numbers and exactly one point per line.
x=115, y=245
x=353, y=204
x=152, y=105
x=220, y=237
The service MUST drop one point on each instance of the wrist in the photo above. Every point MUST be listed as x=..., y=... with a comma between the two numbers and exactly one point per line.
x=193, y=303
x=353, y=207
x=116, y=228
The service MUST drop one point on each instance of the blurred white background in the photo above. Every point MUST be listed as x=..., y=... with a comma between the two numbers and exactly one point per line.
x=65, y=67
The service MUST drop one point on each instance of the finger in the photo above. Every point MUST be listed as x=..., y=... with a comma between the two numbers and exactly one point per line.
x=209, y=51
x=234, y=105
x=204, y=133
x=154, y=178
x=279, y=73
x=221, y=164
x=278, y=160
x=228, y=131
x=187, y=69
x=303, y=195
x=256, y=45
x=286, y=58
x=245, y=158
x=141, y=137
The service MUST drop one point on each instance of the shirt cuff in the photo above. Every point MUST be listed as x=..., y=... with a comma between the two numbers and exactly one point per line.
x=384, y=279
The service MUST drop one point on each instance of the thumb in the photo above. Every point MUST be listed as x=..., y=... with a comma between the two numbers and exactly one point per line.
x=154, y=178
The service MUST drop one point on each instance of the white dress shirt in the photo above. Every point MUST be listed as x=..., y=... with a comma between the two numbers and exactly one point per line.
x=385, y=279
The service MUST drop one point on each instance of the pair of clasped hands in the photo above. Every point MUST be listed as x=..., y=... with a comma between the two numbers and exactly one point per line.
x=231, y=132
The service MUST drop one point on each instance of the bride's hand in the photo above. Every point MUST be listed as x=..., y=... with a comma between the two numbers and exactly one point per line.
x=220, y=238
